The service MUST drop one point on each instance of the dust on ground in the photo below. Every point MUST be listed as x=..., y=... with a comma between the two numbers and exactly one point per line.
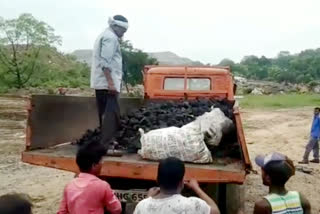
x=286, y=131
x=42, y=184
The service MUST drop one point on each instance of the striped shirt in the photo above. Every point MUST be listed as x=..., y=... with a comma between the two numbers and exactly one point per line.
x=286, y=204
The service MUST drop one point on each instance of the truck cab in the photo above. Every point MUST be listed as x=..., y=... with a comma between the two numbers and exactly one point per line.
x=54, y=122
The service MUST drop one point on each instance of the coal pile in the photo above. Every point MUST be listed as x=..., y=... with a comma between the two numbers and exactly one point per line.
x=158, y=115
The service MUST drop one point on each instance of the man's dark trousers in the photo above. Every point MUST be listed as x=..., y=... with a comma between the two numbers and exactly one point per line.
x=109, y=114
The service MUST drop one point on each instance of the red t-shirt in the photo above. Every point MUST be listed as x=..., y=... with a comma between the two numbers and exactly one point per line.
x=89, y=194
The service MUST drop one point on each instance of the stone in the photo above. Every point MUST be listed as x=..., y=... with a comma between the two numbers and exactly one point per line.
x=303, y=89
x=257, y=91
x=316, y=89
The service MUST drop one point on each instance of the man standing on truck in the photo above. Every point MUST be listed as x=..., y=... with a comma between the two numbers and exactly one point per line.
x=106, y=76
x=168, y=199
x=313, y=143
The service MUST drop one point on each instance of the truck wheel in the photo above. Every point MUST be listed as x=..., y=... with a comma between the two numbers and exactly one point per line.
x=231, y=198
x=129, y=208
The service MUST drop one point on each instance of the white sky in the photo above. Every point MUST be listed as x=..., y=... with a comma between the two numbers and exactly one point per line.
x=205, y=30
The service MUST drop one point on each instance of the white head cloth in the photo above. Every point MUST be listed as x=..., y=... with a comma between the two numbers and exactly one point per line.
x=118, y=23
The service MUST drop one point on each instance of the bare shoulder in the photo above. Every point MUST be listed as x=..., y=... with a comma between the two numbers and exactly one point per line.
x=305, y=204
x=262, y=207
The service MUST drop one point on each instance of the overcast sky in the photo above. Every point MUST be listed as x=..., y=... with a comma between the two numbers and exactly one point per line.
x=205, y=30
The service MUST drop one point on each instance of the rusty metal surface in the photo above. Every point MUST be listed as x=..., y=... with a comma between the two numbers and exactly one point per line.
x=134, y=168
x=58, y=119
x=242, y=140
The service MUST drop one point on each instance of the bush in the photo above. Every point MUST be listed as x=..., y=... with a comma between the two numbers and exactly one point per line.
x=247, y=90
x=313, y=84
x=3, y=89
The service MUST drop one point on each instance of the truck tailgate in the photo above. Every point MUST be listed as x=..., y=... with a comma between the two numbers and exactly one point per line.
x=134, y=167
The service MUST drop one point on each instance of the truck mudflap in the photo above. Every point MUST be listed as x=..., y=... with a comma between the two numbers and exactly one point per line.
x=54, y=120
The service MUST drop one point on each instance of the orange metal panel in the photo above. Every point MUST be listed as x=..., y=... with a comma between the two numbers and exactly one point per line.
x=136, y=171
x=154, y=79
x=242, y=140
x=191, y=70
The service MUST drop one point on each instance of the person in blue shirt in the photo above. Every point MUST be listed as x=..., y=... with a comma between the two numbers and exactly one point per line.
x=314, y=139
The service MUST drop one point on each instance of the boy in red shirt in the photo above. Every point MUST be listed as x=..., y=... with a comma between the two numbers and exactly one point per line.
x=87, y=193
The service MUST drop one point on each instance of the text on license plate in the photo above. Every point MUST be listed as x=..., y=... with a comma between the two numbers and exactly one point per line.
x=130, y=195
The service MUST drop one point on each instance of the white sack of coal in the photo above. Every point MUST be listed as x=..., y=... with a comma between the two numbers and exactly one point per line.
x=213, y=125
x=185, y=143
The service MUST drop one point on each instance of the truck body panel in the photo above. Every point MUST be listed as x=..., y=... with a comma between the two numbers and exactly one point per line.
x=55, y=121
x=132, y=166
x=219, y=82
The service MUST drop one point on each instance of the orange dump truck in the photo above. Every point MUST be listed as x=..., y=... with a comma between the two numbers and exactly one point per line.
x=55, y=121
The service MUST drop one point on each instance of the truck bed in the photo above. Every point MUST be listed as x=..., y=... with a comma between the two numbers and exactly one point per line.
x=53, y=121
x=134, y=167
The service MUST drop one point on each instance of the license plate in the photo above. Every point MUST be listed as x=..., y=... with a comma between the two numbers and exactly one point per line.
x=130, y=196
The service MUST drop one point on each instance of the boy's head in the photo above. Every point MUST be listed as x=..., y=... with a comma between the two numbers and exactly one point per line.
x=15, y=204
x=170, y=174
x=316, y=110
x=89, y=157
x=276, y=169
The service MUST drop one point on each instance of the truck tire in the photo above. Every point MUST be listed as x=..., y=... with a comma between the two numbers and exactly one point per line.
x=235, y=198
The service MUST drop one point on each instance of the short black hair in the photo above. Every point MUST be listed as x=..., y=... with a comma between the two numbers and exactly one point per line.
x=317, y=108
x=88, y=154
x=170, y=173
x=279, y=171
x=15, y=204
x=120, y=18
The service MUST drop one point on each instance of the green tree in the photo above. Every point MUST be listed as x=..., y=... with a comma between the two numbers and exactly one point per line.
x=134, y=60
x=226, y=62
x=21, y=42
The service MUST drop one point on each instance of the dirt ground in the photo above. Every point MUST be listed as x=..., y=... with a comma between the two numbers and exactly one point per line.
x=285, y=131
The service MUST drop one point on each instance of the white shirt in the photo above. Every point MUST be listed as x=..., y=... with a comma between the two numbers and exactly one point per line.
x=175, y=204
x=106, y=53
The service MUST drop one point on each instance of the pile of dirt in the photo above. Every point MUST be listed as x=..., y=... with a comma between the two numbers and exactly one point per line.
x=158, y=115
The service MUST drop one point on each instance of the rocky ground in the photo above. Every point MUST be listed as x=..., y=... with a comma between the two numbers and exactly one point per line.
x=258, y=87
x=266, y=131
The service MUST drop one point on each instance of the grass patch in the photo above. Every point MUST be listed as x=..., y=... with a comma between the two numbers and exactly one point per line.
x=280, y=101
